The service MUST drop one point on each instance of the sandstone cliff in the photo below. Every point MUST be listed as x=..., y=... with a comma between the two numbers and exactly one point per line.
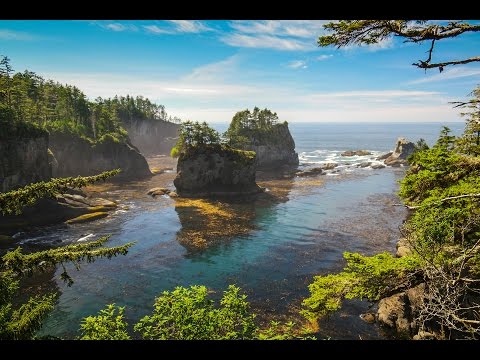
x=152, y=137
x=23, y=160
x=216, y=171
x=76, y=156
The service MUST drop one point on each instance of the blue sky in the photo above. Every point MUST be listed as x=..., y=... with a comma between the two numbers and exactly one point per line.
x=208, y=70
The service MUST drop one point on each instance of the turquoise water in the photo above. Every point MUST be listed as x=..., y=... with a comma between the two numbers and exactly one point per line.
x=292, y=238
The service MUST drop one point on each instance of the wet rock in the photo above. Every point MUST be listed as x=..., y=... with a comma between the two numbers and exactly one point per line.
x=378, y=166
x=158, y=191
x=172, y=194
x=368, y=317
x=329, y=166
x=364, y=164
x=424, y=335
x=310, y=172
x=356, y=153
x=87, y=217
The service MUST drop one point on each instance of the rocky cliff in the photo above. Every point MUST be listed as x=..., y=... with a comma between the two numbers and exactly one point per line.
x=274, y=147
x=152, y=137
x=216, y=171
x=23, y=160
x=76, y=156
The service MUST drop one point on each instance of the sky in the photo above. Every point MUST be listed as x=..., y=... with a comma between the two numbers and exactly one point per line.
x=208, y=70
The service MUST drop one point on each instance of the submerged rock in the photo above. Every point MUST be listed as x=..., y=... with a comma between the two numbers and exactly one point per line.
x=364, y=164
x=328, y=166
x=378, y=166
x=403, y=149
x=216, y=171
x=87, y=217
x=356, y=153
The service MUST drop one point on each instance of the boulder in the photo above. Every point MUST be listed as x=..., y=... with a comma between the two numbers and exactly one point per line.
x=403, y=248
x=356, y=153
x=403, y=149
x=392, y=312
x=378, y=166
x=158, y=191
x=87, y=217
x=216, y=170
x=368, y=317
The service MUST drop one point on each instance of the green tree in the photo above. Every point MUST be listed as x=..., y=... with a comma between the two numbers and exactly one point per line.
x=193, y=135
x=367, y=32
x=21, y=321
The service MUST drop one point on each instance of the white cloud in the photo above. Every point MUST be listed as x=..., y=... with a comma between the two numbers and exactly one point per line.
x=287, y=35
x=377, y=94
x=119, y=27
x=216, y=71
x=297, y=64
x=323, y=57
x=447, y=74
x=189, y=26
x=154, y=29
x=264, y=41
x=16, y=35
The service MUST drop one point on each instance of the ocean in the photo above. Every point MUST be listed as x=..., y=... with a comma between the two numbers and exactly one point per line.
x=283, y=241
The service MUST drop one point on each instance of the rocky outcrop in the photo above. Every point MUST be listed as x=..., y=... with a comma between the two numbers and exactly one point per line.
x=403, y=149
x=76, y=156
x=356, y=153
x=274, y=148
x=152, y=137
x=403, y=248
x=399, y=311
x=71, y=207
x=23, y=160
x=216, y=171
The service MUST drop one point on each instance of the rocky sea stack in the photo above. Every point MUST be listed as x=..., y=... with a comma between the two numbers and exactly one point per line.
x=403, y=150
x=261, y=132
x=216, y=170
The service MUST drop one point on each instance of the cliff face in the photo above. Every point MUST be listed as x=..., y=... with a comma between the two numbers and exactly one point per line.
x=76, y=156
x=216, y=171
x=274, y=148
x=23, y=161
x=403, y=149
x=152, y=137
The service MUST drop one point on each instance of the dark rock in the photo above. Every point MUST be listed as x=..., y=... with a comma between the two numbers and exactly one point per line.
x=356, y=153
x=77, y=156
x=216, y=171
x=310, y=172
x=378, y=166
x=403, y=149
x=23, y=161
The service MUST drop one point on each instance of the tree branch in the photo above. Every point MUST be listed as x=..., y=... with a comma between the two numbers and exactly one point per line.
x=439, y=201
x=425, y=65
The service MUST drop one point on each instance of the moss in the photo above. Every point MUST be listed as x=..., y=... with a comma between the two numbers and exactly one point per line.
x=87, y=217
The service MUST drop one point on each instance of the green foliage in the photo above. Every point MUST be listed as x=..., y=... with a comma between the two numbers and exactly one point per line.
x=24, y=321
x=28, y=98
x=12, y=202
x=253, y=128
x=193, y=135
x=107, y=325
x=187, y=313
x=364, y=277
